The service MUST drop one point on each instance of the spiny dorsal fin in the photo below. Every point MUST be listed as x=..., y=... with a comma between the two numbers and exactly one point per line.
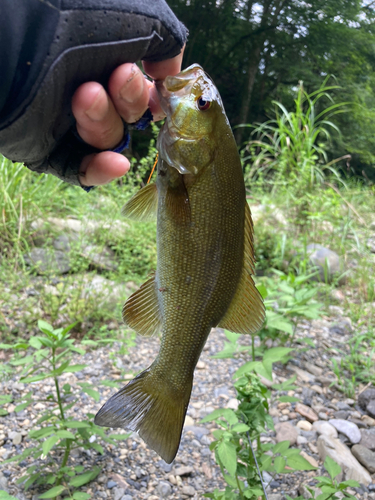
x=143, y=205
x=246, y=311
x=141, y=311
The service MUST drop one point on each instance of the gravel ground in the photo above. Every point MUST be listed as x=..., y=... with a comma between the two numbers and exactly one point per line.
x=131, y=470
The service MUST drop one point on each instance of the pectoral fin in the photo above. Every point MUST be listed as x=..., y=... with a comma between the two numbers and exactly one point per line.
x=141, y=311
x=143, y=205
x=246, y=312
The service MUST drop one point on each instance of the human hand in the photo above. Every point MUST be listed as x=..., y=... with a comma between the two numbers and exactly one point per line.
x=99, y=115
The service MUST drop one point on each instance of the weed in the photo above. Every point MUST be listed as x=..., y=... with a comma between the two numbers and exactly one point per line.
x=48, y=356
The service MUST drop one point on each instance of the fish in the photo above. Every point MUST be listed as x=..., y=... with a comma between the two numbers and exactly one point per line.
x=205, y=259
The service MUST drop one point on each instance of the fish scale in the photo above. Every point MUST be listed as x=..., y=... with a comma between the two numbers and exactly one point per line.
x=205, y=259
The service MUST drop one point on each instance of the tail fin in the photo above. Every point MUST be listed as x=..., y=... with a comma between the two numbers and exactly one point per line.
x=150, y=408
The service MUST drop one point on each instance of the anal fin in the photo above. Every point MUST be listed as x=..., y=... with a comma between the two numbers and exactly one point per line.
x=246, y=312
x=141, y=311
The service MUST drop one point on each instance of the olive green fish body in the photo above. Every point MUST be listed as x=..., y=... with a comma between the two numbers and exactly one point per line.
x=205, y=259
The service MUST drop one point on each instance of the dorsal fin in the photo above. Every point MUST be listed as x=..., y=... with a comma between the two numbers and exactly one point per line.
x=141, y=311
x=143, y=205
x=246, y=312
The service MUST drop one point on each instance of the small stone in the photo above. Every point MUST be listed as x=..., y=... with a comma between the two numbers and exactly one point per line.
x=128, y=497
x=322, y=415
x=233, y=404
x=111, y=484
x=311, y=460
x=3, y=483
x=368, y=438
x=341, y=414
x=325, y=428
x=39, y=406
x=365, y=456
x=16, y=437
x=365, y=397
x=304, y=425
x=118, y=493
x=343, y=406
x=286, y=432
x=341, y=454
x=315, y=370
x=200, y=365
x=188, y=490
x=368, y=420
x=370, y=408
x=164, y=489
x=326, y=262
x=189, y=421
x=349, y=429
x=184, y=470
x=302, y=375
x=317, y=389
x=301, y=440
x=306, y=412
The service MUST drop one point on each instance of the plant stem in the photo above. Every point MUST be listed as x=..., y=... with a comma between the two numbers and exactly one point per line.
x=253, y=347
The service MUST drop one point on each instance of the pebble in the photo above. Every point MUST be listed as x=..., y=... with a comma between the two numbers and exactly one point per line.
x=111, y=484
x=286, y=432
x=188, y=490
x=164, y=489
x=325, y=428
x=310, y=459
x=368, y=438
x=349, y=429
x=315, y=370
x=16, y=437
x=365, y=456
x=118, y=493
x=183, y=471
x=301, y=440
x=306, y=412
x=304, y=425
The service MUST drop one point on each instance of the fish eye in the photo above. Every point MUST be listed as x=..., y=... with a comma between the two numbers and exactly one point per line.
x=203, y=105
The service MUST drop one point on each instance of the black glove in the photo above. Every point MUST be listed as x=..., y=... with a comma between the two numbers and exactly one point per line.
x=48, y=49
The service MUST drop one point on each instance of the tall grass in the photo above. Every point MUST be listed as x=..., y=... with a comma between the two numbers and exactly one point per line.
x=21, y=192
x=291, y=149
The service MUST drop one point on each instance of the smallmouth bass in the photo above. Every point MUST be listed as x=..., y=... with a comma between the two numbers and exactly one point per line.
x=205, y=259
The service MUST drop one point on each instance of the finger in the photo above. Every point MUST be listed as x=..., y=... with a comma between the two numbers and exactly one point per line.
x=160, y=70
x=101, y=168
x=129, y=91
x=98, y=123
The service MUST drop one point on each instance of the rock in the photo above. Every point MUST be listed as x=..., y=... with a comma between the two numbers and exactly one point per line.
x=302, y=375
x=301, y=440
x=286, y=432
x=304, y=425
x=16, y=437
x=118, y=493
x=164, y=489
x=188, y=490
x=3, y=483
x=341, y=454
x=311, y=460
x=188, y=421
x=48, y=261
x=306, y=412
x=315, y=370
x=64, y=242
x=365, y=397
x=127, y=497
x=325, y=261
x=233, y=404
x=368, y=421
x=370, y=408
x=349, y=429
x=111, y=484
x=101, y=258
x=368, y=438
x=184, y=470
x=364, y=456
x=325, y=428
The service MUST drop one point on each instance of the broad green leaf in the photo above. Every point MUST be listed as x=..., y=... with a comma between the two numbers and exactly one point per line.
x=281, y=447
x=279, y=323
x=22, y=406
x=276, y=354
x=80, y=495
x=248, y=367
x=332, y=467
x=299, y=463
x=4, y=399
x=262, y=290
x=279, y=464
x=75, y=368
x=49, y=444
x=228, y=456
x=43, y=325
x=3, y=413
x=266, y=462
x=253, y=492
x=35, y=342
x=40, y=433
x=76, y=424
x=65, y=434
x=35, y=378
x=350, y=483
x=53, y=492
x=22, y=361
x=5, y=496
x=232, y=337
x=288, y=399
x=240, y=428
x=221, y=412
x=84, y=478
x=230, y=480
x=97, y=447
x=91, y=392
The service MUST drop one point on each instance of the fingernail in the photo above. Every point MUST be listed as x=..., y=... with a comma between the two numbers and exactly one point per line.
x=99, y=108
x=133, y=88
